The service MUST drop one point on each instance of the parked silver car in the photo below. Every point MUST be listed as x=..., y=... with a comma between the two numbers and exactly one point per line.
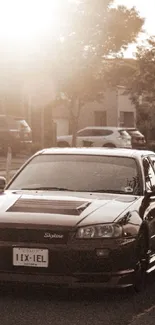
x=113, y=137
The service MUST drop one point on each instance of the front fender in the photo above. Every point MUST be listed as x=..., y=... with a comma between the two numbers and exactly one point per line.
x=131, y=223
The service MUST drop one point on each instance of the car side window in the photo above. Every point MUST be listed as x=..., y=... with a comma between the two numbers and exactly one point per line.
x=149, y=174
x=84, y=133
x=101, y=132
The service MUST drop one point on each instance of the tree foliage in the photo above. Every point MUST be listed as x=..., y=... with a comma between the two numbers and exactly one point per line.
x=95, y=31
x=142, y=86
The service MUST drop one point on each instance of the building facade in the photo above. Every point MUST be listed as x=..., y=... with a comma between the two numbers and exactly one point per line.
x=116, y=109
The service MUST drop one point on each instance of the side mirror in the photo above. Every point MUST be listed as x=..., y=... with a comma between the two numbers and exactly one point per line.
x=2, y=183
x=149, y=194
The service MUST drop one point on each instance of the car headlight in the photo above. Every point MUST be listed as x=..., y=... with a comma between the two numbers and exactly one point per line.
x=100, y=231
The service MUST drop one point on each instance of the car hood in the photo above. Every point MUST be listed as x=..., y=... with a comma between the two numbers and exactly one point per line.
x=62, y=209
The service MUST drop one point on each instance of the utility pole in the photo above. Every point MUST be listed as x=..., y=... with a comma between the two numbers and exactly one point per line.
x=42, y=126
x=3, y=104
x=30, y=110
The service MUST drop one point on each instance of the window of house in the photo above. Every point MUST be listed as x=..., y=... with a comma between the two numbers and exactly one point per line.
x=127, y=119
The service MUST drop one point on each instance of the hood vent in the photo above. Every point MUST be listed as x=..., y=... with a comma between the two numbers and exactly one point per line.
x=49, y=206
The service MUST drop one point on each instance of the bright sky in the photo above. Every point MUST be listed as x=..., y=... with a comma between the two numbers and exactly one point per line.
x=146, y=10
x=25, y=24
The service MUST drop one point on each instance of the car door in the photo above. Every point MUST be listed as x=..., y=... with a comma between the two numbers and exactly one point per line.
x=149, y=215
x=95, y=137
x=101, y=137
x=84, y=138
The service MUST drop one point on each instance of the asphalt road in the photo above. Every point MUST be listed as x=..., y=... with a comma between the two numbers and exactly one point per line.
x=40, y=306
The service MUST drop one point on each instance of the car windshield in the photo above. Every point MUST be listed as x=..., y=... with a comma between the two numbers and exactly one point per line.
x=84, y=173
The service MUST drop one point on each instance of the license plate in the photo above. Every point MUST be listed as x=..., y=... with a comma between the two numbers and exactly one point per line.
x=32, y=257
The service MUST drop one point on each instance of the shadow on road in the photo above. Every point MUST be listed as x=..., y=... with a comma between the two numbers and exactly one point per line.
x=66, y=306
x=41, y=292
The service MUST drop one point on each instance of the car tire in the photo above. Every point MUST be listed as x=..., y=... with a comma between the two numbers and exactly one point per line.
x=109, y=145
x=141, y=264
x=63, y=144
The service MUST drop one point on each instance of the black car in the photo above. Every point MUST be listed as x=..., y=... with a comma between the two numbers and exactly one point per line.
x=80, y=217
x=9, y=134
x=25, y=133
x=137, y=138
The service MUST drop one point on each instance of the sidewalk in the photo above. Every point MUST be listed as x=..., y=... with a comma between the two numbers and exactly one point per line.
x=145, y=318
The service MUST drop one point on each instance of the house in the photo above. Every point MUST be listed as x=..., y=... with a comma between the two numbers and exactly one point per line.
x=116, y=109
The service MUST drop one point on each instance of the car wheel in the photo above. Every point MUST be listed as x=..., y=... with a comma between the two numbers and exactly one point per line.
x=63, y=144
x=141, y=264
x=109, y=145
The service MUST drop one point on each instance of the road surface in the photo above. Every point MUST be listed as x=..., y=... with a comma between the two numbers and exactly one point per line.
x=40, y=306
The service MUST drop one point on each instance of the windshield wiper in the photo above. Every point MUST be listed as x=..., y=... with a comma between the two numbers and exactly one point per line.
x=44, y=188
x=110, y=191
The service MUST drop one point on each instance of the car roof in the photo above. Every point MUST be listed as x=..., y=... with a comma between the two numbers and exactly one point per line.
x=97, y=151
x=112, y=128
x=101, y=128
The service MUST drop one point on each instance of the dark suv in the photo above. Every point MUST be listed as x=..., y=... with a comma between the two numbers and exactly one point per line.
x=14, y=132
x=25, y=133
x=9, y=134
x=137, y=138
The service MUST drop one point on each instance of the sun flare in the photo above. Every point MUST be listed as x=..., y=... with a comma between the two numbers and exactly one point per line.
x=25, y=20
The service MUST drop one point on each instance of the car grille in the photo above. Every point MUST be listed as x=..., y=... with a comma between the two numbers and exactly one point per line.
x=43, y=236
x=60, y=262
x=49, y=206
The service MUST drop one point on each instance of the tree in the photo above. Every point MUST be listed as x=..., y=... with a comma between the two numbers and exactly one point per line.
x=95, y=30
x=142, y=84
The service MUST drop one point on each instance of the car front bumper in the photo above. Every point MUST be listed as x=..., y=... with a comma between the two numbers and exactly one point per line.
x=120, y=279
x=74, y=265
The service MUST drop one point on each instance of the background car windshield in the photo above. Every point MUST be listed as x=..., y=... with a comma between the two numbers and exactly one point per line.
x=22, y=124
x=135, y=133
x=80, y=173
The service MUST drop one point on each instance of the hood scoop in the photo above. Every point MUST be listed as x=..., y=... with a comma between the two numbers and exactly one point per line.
x=49, y=206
